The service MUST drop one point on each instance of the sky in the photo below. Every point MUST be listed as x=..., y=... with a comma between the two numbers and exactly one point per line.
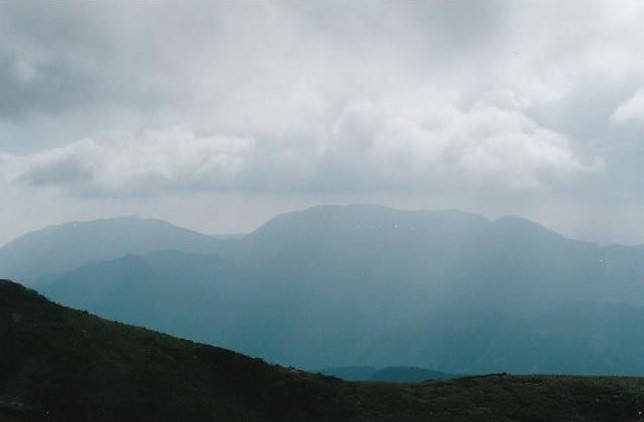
x=217, y=116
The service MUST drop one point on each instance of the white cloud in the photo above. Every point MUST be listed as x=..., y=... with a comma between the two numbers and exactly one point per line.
x=630, y=110
x=369, y=147
x=506, y=146
x=432, y=141
x=124, y=164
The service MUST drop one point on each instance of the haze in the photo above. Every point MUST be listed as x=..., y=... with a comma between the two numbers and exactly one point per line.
x=218, y=116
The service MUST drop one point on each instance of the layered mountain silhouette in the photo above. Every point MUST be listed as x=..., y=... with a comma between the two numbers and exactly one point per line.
x=60, y=364
x=358, y=285
x=68, y=246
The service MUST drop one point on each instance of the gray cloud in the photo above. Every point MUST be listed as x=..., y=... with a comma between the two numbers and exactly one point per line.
x=368, y=149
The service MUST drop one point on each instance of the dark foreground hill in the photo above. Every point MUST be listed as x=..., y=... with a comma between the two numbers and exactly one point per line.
x=59, y=364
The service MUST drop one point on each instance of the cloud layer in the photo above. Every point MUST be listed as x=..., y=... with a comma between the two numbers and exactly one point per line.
x=368, y=149
x=154, y=99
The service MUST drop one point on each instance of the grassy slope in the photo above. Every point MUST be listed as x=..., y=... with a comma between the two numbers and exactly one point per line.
x=59, y=364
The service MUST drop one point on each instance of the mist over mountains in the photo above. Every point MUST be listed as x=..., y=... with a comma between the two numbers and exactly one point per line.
x=358, y=285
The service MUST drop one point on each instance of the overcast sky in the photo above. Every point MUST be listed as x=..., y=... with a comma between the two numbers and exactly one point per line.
x=217, y=116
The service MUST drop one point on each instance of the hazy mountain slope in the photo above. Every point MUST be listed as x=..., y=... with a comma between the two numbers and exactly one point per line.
x=57, y=364
x=614, y=331
x=62, y=248
x=330, y=284
x=576, y=338
x=199, y=297
x=358, y=242
x=524, y=268
x=204, y=298
x=440, y=257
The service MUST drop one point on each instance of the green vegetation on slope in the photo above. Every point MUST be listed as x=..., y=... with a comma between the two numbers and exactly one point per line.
x=58, y=364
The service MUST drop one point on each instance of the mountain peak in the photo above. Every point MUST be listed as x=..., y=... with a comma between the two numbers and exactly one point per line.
x=326, y=219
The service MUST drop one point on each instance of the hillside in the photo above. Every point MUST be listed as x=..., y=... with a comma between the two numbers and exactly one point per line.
x=58, y=364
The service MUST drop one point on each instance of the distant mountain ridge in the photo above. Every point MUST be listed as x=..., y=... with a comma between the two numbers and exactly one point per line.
x=65, y=247
x=358, y=285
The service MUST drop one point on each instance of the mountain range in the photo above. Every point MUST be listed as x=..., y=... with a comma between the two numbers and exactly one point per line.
x=357, y=285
